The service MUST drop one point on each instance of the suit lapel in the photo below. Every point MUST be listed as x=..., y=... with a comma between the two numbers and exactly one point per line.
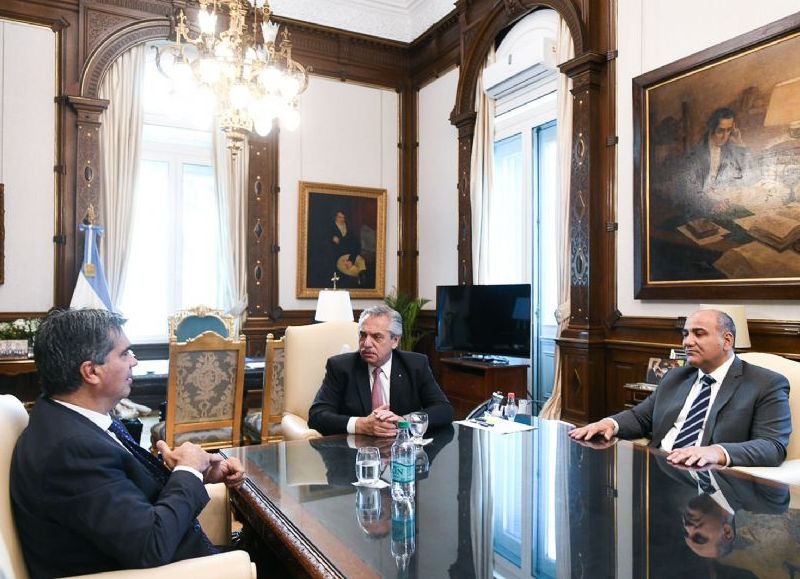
x=362, y=384
x=674, y=407
x=726, y=390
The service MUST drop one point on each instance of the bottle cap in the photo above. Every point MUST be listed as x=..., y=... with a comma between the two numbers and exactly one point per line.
x=402, y=424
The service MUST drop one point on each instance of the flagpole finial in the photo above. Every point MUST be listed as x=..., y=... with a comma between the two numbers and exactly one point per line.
x=91, y=217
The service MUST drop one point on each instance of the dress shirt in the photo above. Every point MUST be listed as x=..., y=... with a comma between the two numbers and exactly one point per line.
x=386, y=373
x=103, y=421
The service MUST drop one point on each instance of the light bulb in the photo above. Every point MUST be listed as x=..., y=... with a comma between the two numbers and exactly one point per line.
x=223, y=50
x=182, y=76
x=263, y=125
x=207, y=21
x=289, y=86
x=208, y=69
x=266, y=106
x=269, y=78
x=269, y=30
x=290, y=119
x=240, y=95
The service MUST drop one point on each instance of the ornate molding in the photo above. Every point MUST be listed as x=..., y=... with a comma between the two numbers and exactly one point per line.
x=100, y=24
x=89, y=185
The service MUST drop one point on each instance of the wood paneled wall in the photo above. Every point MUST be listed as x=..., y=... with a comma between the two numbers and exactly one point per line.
x=602, y=349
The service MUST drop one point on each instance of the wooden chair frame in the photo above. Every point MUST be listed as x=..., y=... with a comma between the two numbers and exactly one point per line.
x=208, y=341
x=269, y=418
x=200, y=312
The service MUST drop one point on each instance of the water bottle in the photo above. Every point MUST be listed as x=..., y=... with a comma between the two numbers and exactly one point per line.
x=404, y=541
x=511, y=407
x=404, y=459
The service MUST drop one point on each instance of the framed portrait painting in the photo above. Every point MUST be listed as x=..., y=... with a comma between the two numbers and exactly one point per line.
x=717, y=171
x=341, y=240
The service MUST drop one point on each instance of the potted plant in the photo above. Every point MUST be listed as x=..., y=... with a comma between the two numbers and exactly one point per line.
x=408, y=308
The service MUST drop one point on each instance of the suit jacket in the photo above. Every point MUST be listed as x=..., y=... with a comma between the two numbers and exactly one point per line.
x=84, y=504
x=750, y=416
x=345, y=392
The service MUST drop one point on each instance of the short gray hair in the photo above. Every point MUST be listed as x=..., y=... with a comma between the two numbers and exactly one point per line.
x=395, y=319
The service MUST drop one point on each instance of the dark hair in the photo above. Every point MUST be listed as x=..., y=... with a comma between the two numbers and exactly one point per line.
x=725, y=324
x=68, y=338
x=716, y=117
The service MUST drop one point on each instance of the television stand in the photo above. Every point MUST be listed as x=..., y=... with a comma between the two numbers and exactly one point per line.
x=469, y=384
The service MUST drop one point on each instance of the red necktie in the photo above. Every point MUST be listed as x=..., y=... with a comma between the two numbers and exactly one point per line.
x=377, y=389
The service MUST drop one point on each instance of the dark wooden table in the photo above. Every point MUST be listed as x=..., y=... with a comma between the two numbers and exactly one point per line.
x=532, y=504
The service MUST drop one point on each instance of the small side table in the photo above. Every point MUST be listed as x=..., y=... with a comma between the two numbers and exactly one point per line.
x=636, y=392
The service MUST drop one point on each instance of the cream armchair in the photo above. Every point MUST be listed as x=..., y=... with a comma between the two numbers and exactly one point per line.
x=306, y=351
x=215, y=520
x=789, y=471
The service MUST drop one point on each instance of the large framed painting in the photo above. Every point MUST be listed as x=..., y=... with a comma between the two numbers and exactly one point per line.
x=341, y=240
x=717, y=171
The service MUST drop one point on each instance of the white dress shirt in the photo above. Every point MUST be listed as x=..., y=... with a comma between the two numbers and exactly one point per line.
x=386, y=372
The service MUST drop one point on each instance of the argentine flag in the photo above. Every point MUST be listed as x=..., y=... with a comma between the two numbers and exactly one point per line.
x=91, y=291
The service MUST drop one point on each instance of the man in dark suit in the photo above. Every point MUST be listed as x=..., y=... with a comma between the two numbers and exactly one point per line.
x=367, y=392
x=717, y=410
x=83, y=500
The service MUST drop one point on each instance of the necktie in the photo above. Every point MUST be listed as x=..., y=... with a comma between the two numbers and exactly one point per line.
x=377, y=389
x=696, y=417
x=155, y=467
x=704, y=480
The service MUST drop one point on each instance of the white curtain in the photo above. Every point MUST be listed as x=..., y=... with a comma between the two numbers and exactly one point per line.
x=481, y=505
x=564, y=52
x=120, y=150
x=481, y=178
x=231, y=188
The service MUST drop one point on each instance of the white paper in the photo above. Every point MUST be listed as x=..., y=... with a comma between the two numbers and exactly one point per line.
x=498, y=425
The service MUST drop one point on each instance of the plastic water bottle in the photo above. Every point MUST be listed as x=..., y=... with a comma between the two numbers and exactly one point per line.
x=404, y=541
x=511, y=407
x=404, y=459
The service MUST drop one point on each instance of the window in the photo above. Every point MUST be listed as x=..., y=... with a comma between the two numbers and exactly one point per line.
x=174, y=256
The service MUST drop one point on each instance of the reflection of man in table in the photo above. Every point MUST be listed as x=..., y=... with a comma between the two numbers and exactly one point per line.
x=719, y=159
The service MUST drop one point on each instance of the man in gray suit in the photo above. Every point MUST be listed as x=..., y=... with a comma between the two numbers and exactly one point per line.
x=717, y=410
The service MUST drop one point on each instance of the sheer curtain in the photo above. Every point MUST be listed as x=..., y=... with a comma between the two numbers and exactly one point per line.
x=564, y=52
x=120, y=150
x=231, y=188
x=481, y=179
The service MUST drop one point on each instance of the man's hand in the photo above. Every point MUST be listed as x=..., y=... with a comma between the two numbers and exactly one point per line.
x=187, y=454
x=597, y=444
x=380, y=422
x=697, y=456
x=604, y=427
x=228, y=470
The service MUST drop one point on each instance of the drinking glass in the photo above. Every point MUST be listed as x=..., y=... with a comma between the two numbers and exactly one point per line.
x=368, y=465
x=418, y=423
x=368, y=506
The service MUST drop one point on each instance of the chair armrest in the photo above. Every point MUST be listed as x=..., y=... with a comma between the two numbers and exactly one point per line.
x=232, y=565
x=215, y=518
x=788, y=472
x=295, y=428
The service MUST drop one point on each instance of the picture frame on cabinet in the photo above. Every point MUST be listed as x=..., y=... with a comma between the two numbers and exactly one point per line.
x=717, y=171
x=341, y=233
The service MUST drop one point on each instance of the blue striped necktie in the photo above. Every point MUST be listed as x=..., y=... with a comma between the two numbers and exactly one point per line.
x=697, y=415
x=704, y=481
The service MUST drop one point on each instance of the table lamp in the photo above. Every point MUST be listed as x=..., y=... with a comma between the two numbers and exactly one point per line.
x=739, y=318
x=334, y=304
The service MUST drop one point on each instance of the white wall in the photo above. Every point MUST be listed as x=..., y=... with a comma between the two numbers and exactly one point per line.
x=653, y=34
x=27, y=145
x=348, y=135
x=438, y=187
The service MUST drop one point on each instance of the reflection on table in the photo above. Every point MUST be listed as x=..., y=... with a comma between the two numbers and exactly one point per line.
x=530, y=504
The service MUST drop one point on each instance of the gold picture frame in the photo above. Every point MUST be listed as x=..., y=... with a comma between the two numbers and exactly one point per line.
x=341, y=234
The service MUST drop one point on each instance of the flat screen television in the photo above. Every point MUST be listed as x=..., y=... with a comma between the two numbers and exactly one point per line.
x=491, y=320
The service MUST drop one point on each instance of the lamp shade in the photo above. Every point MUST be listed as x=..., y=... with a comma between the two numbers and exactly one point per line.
x=739, y=318
x=334, y=305
x=784, y=103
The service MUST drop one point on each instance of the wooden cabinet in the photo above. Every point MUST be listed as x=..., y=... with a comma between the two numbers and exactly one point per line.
x=468, y=384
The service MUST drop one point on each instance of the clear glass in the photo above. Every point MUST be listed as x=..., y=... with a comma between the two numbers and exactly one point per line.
x=368, y=465
x=418, y=425
x=511, y=407
x=368, y=508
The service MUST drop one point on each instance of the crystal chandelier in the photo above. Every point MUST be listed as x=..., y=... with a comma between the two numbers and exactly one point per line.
x=247, y=68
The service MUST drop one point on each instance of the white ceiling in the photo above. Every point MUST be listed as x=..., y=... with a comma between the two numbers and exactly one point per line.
x=402, y=20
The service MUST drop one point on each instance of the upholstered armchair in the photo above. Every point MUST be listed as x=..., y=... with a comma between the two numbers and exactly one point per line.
x=215, y=520
x=307, y=349
x=205, y=392
x=789, y=471
x=264, y=425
